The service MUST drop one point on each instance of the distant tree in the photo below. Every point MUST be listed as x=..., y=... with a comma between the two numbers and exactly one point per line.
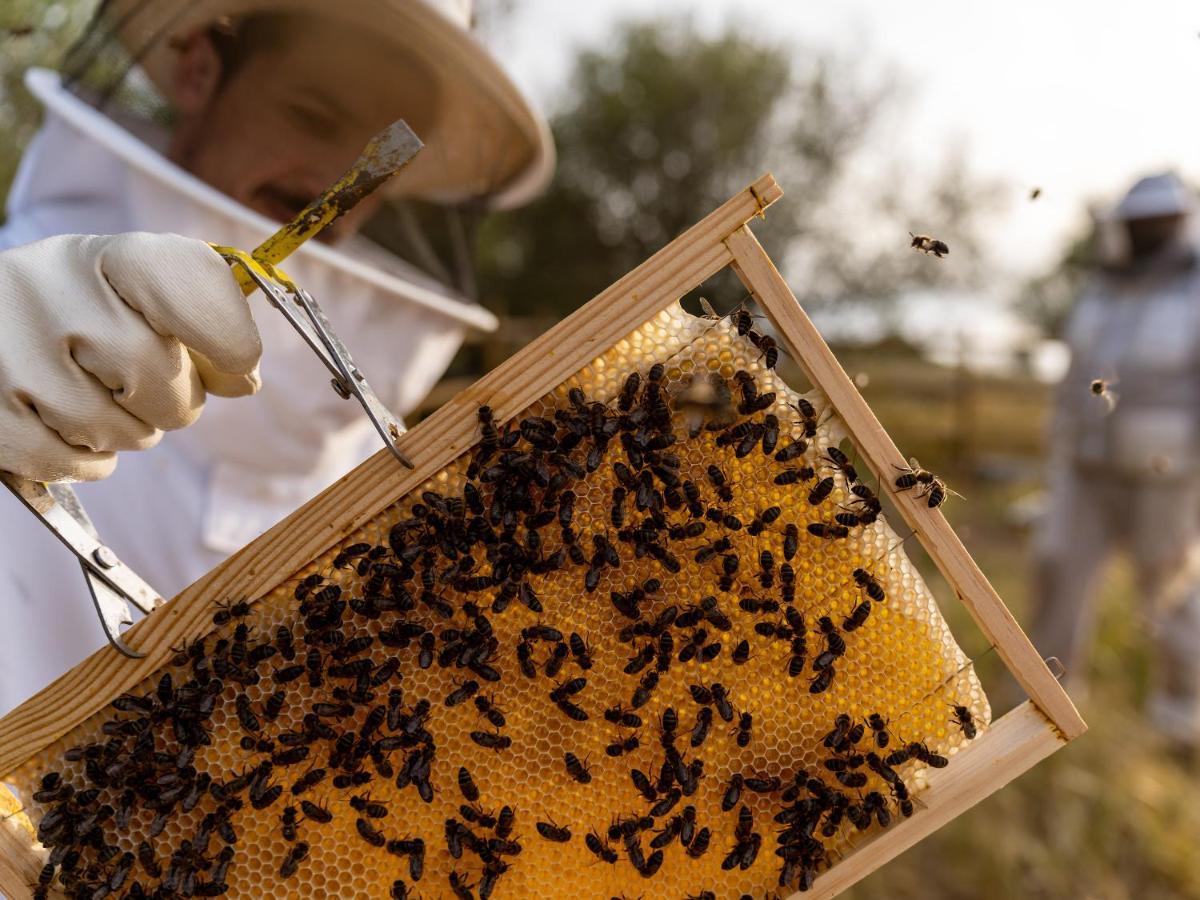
x=657, y=131
x=32, y=33
x=1045, y=300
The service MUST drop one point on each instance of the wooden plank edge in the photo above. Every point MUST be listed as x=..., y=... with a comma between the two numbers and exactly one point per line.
x=20, y=858
x=263, y=564
x=754, y=267
x=1008, y=748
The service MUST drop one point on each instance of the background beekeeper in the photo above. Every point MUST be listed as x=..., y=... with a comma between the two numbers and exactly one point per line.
x=1127, y=476
x=102, y=299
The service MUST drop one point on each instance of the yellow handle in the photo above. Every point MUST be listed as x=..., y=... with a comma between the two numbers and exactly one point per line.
x=385, y=155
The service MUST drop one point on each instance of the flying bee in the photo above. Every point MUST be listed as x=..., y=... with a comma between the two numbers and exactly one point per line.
x=928, y=245
x=1103, y=389
x=965, y=721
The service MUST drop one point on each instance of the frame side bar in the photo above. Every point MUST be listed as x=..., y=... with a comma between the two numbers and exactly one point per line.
x=267, y=561
x=768, y=287
x=1010, y=747
x=20, y=861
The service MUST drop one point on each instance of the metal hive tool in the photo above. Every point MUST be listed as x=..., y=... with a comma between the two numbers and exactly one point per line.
x=902, y=663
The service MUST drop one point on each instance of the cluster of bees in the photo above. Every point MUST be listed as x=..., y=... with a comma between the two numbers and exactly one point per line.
x=433, y=594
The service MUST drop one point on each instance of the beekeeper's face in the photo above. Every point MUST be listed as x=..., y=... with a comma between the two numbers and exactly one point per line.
x=278, y=118
x=1149, y=234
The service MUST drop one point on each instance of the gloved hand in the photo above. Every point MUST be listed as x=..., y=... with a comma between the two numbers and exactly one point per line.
x=105, y=342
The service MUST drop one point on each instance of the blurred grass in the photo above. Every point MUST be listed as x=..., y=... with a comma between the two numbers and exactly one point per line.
x=1116, y=815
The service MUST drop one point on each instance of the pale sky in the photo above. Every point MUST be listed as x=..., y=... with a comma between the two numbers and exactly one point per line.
x=1075, y=96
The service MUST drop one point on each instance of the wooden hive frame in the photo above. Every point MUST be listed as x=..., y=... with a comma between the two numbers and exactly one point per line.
x=1011, y=746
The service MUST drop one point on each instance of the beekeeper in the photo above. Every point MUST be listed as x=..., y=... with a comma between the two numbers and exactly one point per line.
x=1125, y=470
x=107, y=287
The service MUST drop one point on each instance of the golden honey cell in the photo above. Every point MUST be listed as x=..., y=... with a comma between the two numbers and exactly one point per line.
x=901, y=663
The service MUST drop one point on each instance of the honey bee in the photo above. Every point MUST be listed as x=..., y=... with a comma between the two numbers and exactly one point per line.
x=965, y=721
x=927, y=484
x=868, y=583
x=829, y=532
x=823, y=489
x=1103, y=389
x=927, y=245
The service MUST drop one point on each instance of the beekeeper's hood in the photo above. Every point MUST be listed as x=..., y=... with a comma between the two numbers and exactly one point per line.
x=486, y=141
x=1156, y=195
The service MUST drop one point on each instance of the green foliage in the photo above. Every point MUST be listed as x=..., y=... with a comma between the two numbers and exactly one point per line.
x=665, y=123
x=1046, y=299
x=32, y=33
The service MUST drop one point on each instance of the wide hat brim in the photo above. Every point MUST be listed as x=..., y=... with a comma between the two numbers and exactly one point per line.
x=488, y=141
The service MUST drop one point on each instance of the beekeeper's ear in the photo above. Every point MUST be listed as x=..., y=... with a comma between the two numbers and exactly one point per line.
x=197, y=72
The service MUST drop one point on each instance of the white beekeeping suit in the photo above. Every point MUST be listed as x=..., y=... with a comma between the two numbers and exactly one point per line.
x=1127, y=475
x=174, y=512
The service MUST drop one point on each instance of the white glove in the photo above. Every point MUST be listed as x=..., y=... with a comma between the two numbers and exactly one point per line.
x=107, y=341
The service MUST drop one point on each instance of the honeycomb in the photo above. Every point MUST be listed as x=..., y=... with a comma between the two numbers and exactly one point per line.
x=418, y=617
